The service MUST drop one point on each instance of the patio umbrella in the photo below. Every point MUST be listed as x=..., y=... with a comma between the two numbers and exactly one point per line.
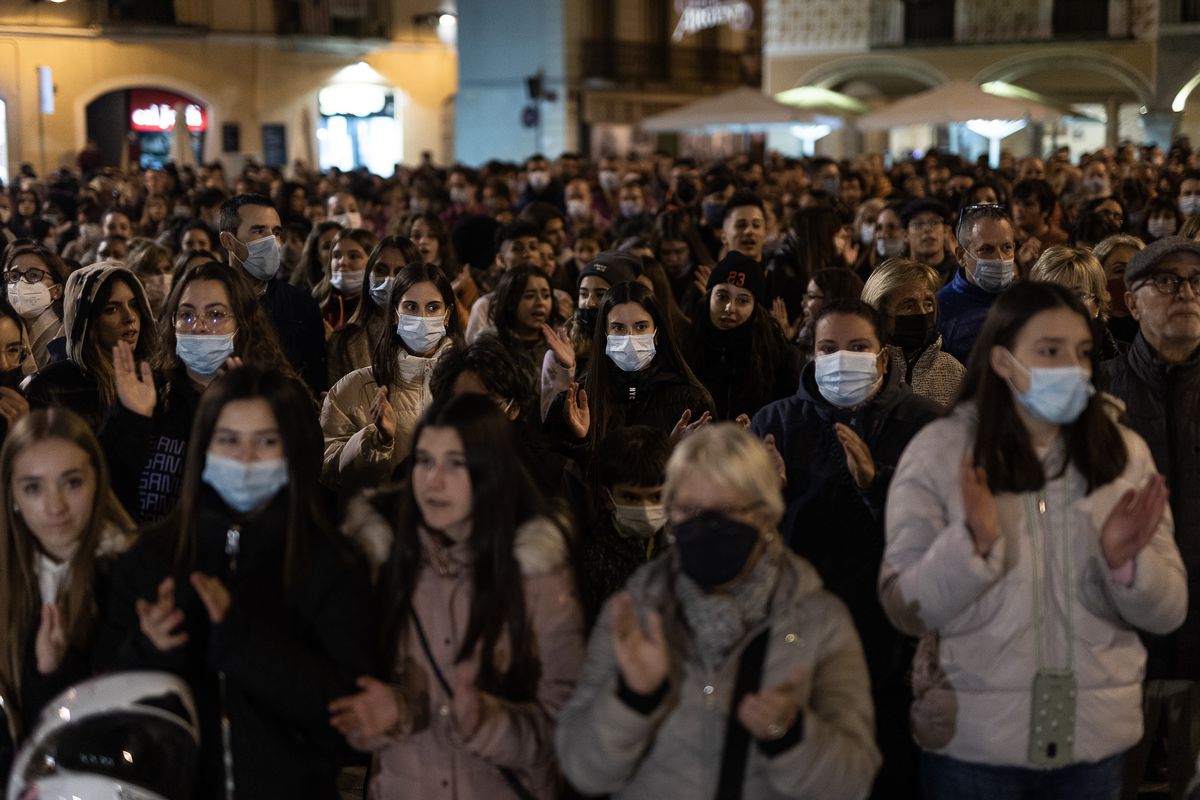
x=743, y=109
x=955, y=101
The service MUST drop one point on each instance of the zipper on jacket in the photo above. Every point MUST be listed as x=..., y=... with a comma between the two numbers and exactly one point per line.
x=233, y=546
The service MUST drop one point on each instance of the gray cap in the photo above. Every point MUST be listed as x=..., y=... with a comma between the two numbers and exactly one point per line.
x=1145, y=262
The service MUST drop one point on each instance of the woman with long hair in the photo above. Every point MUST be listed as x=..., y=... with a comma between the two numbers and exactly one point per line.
x=248, y=593
x=339, y=291
x=14, y=353
x=350, y=348
x=1027, y=543
x=481, y=630
x=316, y=255
x=156, y=212
x=60, y=530
x=521, y=309
x=152, y=265
x=369, y=415
x=679, y=248
x=35, y=278
x=427, y=232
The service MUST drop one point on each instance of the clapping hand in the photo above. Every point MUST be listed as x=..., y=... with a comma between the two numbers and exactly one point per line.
x=641, y=652
x=983, y=518
x=159, y=619
x=50, y=646
x=1131, y=524
x=383, y=415
x=769, y=714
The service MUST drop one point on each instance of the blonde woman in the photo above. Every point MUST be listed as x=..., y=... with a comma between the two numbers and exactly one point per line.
x=661, y=708
x=1079, y=270
x=1114, y=254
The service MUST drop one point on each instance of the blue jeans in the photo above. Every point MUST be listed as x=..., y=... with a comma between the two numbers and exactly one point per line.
x=945, y=778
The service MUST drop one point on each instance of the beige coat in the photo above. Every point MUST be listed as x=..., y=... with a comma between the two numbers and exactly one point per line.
x=356, y=457
x=435, y=759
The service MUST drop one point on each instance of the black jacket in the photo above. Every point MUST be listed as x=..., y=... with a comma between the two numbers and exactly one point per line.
x=724, y=362
x=1162, y=404
x=284, y=652
x=297, y=320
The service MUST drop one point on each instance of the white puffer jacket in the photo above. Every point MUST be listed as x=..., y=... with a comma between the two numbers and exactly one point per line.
x=355, y=455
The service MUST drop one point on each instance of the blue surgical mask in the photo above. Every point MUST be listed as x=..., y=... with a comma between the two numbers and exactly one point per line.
x=846, y=378
x=631, y=353
x=262, y=258
x=1056, y=394
x=204, y=353
x=245, y=485
x=420, y=334
x=381, y=290
x=994, y=274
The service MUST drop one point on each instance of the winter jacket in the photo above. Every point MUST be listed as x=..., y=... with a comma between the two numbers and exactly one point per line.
x=933, y=374
x=285, y=652
x=1162, y=404
x=435, y=759
x=962, y=308
x=296, y=318
x=974, y=674
x=355, y=455
x=723, y=361
x=608, y=557
x=351, y=347
x=823, y=499
x=674, y=751
x=42, y=330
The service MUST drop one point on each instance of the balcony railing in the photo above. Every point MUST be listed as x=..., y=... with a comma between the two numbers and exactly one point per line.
x=639, y=64
x=360, y=19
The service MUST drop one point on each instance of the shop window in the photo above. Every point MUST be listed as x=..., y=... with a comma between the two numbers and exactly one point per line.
x=358, y=128
x=928, y=21
x=1080, y=18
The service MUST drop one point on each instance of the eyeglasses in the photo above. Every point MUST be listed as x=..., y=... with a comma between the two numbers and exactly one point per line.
x=33, y=275
x=1168, y=283
x=16, y=353
x=187, y=320
x=992, y=210
x=925, y=224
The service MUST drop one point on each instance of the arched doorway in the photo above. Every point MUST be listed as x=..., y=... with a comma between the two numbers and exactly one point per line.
x=139, y=123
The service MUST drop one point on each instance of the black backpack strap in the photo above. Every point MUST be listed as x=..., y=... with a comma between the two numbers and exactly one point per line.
x=510, y=777
x=737, y=738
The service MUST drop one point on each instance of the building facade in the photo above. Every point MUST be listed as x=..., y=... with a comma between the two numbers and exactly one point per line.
x=343, y=82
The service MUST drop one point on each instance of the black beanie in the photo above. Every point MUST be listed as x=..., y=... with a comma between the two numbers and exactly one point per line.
x=613, y=266
x=740, y=270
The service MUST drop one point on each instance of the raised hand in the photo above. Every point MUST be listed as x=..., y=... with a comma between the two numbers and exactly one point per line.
x=468, y=703
x=13, y=405
x=779, y=313
x=564, y=352
x=383, y=415
x=366, y=715
x=769, y=714
x=213, y=594
x=576, y=411
x=685, y=426
x=641, y=653
x=983, y=520
x=134, y=382
x=1131, y=524
x=1029, y=252
x=703, y=273
x=50, y=646
x=159, y=619
x=859, y=460
x=776, y=457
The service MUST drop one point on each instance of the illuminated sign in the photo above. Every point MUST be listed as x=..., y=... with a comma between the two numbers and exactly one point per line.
x=153, y=111
x=698, y=15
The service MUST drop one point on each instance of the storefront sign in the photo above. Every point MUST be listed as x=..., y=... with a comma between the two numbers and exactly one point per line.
x=698, y=15
x=151, y=110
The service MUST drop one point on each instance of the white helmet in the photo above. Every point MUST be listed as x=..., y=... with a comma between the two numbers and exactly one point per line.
x=127, y=736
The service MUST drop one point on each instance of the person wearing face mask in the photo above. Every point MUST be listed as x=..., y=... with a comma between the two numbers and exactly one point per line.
x=248, y=593
x=723, y=668
x=541, y=185
x=151, y=263
x=351, y=347
x=315, y=256
x=904, y=292
x=888, y=240
x=1115, y=253
x=34, y=278
x=339, y=294
x=1028, y=540
x=840, y=436
x=60, y=533
x=250, y=228
x=1158, y=379
x=1079, y=270
x=735, y=348
x=987, y=251
x=1162, y=219
x=641, y=380
x=14, y=353
x=369, y=415
x=633, y=212
x=1189, y=193
x=342, y=208
x=569, y=351
x=463, y=187
x=481, y=630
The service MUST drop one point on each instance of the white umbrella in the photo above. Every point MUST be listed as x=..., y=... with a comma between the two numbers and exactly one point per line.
x=955, y=101
x=741, y=109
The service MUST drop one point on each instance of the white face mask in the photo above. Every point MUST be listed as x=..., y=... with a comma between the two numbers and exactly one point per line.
x=643, y=521
x=460, y=196
x=889, y=248
x=994, y=274
x=631, y=353
x=631, y=208
x=1190, y=205
x=381, y=290
x=579, y=209
x=866, y=233
x=262, y=258
x=1158, y=228
x=29, y=300
x=350, y=219
x=157, y=288
x=609, y=180
x=420, y=334
x=539, y=179
x=846, y=378
x=347, y=282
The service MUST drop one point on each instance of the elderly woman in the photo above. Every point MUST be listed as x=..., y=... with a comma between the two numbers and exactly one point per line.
x=724, y=664
x=904, y=292
x=1079, y=270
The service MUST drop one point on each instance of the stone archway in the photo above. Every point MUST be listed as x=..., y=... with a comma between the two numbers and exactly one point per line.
x=865, y=67
x=1014, y=68
x=145, y=81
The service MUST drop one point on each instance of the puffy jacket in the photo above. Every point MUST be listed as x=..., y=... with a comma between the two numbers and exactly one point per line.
x=934, y=374
x=974, y=672
x=963, y=307
x=355, y=455
x=1162, y=404
x=606, y=747
x=285, y=652
x=435, y=760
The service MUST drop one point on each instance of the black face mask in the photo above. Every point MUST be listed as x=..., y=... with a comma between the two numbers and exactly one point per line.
x=686, y=191
x=914, y=331
x=587, y=318
x=713, y=549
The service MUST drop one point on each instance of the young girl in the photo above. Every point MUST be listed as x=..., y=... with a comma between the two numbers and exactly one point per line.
x=481, y=624
x=35, y=277
x=60, y=530
x=247, y=593
x=522, y=305
x=1027, y=539
x=339, y=293
x=368, y=416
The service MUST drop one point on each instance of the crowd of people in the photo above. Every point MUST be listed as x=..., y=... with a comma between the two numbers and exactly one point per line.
x=639, y=477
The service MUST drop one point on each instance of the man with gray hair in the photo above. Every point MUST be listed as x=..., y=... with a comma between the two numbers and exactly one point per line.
x=1158, y=379
x=987, y=251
